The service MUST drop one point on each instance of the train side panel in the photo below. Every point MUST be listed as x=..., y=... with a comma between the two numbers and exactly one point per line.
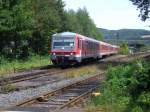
x=107, y=49
x=89, y=48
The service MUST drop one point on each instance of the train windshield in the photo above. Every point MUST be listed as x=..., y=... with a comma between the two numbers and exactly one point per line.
x=70, y=44
x=63, y=43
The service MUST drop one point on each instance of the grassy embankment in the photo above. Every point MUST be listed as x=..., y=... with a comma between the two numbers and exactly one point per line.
x=126, y=89
x=87, y=70
x=8, y=67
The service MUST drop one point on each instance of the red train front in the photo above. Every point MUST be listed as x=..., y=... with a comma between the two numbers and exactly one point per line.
x=70, y=48
x=64, y=49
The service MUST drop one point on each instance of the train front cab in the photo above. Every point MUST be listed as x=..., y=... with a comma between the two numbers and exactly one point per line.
x=66, y=51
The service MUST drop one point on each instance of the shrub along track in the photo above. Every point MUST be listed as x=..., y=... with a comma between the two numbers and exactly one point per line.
x=62, y=97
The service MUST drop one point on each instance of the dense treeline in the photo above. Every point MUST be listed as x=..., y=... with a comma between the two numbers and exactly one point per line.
x=26, y=26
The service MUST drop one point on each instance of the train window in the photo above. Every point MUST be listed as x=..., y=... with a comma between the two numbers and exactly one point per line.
x=63, y=43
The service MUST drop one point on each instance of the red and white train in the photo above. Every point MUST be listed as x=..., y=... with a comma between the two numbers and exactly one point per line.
x=69, y=48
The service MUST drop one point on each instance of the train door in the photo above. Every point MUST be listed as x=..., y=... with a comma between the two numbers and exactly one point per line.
x=83, y=48
x=80, y=46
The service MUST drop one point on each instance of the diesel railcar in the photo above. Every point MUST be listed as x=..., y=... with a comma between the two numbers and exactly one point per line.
x=70, y=48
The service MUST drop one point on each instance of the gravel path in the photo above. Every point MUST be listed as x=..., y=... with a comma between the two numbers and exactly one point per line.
x=7, y=100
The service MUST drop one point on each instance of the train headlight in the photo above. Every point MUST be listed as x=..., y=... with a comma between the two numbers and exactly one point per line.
x=54, y=53
x=71, y=53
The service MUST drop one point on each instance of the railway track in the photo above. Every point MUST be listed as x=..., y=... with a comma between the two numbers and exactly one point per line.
x=132, y=57
x=35, y=80
x=32, y=75
x=138, y=55
x=62, y=97
x=128, y=58
x=43, y=73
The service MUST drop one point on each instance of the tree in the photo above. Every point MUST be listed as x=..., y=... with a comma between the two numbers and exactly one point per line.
x=81, y=22
x=72, y=22
x=27, y=25
x=87, y=26
x=15, y=26
x=144, y=6
x=47, y=17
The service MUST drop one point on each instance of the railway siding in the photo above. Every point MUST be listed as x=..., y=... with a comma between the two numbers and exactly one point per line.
x=50, y=76
x=20, y=75
x=66, y=95
x=7, y=100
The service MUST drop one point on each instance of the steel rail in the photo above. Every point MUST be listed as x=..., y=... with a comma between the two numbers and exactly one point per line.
x=59, y=91
x=77, y=99
x=30, y=77
x=135, y=55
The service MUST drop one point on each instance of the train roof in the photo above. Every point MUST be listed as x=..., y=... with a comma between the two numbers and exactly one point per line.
x=67, y=34
x=88, y=38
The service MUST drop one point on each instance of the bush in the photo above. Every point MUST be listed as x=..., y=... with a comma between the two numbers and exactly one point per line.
x=127, y=88
x=124, y=49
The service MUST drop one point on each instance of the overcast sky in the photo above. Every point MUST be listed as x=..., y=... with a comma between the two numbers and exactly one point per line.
x=110, y=14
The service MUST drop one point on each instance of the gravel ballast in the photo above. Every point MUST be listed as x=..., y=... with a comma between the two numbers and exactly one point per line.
x=10, y=99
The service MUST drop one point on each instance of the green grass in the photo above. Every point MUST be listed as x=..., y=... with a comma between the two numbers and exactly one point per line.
x=8, y=67
x=126, y=89
x=82, y=71
x=7, y=88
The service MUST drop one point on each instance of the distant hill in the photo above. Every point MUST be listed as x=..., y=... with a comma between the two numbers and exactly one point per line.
x=124, y=34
